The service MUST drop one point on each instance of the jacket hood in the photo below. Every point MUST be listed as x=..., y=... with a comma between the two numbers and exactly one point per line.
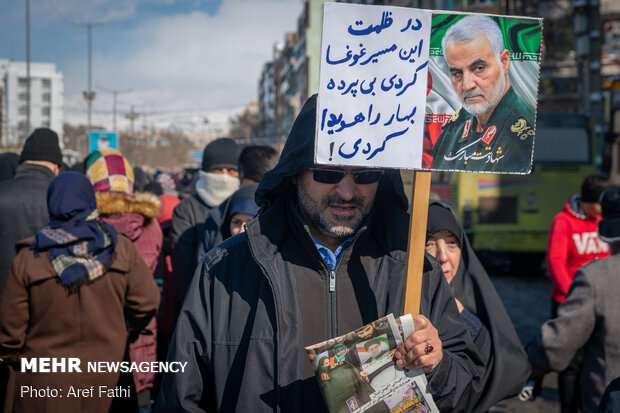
x=247, y=191
x=572, y=207
x=298, y=155
x=143, y=203
x=129, y=224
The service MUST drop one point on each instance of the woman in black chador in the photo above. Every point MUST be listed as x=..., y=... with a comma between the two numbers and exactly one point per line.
x=484, y=315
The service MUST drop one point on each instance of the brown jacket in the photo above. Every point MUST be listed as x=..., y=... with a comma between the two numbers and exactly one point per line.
x=41, y=317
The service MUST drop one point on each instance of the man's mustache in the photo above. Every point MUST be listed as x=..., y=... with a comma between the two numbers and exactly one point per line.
x=471, y=93
x=335, y=199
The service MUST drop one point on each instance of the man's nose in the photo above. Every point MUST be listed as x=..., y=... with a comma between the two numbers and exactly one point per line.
x=346, y=187
x=469, y=80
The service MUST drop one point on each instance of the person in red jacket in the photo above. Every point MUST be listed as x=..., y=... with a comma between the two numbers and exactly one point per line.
x=573, y=242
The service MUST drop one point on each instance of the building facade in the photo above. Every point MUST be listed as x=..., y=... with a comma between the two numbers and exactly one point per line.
x=46, y=100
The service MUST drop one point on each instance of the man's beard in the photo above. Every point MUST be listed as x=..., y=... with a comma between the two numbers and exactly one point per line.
x=489, y=102
x=314, y=212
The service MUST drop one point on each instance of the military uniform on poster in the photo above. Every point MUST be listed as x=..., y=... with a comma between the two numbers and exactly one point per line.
x=505, y=145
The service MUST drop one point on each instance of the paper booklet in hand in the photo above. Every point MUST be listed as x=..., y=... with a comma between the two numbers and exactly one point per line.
x=356, y=372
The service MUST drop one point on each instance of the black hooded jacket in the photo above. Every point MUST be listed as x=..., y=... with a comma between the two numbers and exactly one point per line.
x=244, y=319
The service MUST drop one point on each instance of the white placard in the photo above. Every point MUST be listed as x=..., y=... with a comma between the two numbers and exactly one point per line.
x=372, y=86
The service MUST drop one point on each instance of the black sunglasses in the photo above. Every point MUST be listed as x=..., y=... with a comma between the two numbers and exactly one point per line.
x=333, y=176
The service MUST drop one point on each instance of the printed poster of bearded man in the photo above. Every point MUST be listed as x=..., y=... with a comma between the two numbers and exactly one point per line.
x=482, y=93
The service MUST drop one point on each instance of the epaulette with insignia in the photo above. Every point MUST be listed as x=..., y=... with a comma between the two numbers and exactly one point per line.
x=522, y=129
x=455, y=116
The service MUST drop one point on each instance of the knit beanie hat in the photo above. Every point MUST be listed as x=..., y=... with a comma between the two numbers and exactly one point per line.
x=108, y=170
x=42, y=145
x=221, y=153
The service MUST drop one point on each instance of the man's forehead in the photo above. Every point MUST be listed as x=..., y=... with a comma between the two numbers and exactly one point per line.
x=480, y=45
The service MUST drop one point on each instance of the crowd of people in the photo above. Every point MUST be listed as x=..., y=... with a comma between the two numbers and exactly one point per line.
x=261, y=255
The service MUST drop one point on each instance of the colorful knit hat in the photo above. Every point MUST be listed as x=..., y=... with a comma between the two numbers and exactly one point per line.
x=108, y=170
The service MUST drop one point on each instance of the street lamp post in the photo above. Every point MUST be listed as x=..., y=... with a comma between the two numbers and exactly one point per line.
x=89, y=95
x=132, y=116
x=27, y=67
x=115, y=92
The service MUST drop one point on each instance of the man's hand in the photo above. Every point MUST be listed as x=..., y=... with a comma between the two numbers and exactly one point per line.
x=364, y=374
x=412, y=355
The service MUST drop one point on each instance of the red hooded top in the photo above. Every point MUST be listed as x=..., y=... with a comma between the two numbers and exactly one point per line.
x=573, y=241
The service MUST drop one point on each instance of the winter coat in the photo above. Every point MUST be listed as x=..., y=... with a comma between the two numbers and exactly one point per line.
x=23, y=209
x=188, y=221
x=573, y=241
x=240, y=328
x=610, y=402
x=589, y=319
x=8, y=165
x=41, y=317
x=139, y=223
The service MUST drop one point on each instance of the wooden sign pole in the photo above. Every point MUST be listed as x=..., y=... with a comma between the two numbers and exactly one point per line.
x=417, y=241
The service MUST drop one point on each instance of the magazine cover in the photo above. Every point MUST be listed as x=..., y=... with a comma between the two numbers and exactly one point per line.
x=356, y=372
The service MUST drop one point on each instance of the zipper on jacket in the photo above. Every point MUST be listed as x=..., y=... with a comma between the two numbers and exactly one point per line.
x=332, y=299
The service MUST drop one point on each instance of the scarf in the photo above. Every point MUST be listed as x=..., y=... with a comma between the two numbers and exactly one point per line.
x=213, y=189
x=79, y=244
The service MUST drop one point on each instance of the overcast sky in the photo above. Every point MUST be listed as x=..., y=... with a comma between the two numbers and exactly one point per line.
x=185, y=59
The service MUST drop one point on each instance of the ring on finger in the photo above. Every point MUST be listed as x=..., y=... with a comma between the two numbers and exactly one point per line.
x=428, y=348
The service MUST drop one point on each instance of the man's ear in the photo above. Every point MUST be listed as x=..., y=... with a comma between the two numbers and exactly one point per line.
x=504, y=57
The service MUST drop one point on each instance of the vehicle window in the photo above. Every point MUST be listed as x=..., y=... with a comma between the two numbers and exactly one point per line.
x=561, y=146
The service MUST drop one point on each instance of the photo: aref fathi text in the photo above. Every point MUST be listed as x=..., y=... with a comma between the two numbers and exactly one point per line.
x=77, y=392
x=74, y=365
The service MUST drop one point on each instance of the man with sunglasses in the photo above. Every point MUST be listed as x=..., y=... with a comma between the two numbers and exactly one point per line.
x=325, y=255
